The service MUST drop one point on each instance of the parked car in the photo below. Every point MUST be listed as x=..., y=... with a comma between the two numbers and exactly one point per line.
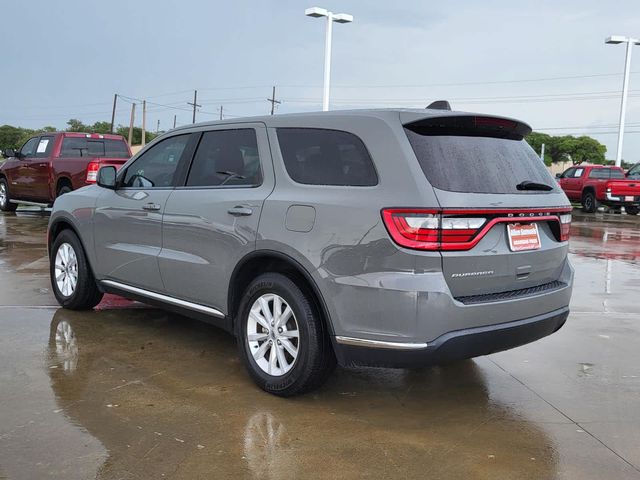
x=593, y=185
x=377, y=237
x=51, y=164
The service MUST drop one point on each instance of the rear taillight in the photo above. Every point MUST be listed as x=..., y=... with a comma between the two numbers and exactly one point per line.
x=565, y=226
x=431, y=230
x=92, y=172
x=462, y=229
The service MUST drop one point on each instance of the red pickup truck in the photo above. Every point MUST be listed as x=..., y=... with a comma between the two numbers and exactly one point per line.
x=593, y=185
x=51, y=164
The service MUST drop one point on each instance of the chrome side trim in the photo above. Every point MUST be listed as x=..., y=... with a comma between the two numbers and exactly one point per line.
x=362, y=342
x=165, y=298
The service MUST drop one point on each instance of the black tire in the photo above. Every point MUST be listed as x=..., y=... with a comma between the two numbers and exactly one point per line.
x=632, y=210
x=86, y=294
x=589, y=202
x=5, y=204
x=63, y=189
x=315, y=359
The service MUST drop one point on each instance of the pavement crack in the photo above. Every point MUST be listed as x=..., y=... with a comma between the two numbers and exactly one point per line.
x=581, y=426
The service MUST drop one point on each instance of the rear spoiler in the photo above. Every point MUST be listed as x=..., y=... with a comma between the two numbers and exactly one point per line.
x=470, y=125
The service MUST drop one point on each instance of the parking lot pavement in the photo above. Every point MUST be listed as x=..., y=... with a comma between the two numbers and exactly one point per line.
x=132, y=392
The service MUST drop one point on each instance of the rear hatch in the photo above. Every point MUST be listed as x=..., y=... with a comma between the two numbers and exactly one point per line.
x=503, y=221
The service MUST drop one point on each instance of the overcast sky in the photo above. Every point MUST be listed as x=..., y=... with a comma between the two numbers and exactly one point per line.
x=66, y=59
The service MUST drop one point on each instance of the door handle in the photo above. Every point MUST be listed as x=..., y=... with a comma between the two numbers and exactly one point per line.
x=151, y=207
x=240, y=211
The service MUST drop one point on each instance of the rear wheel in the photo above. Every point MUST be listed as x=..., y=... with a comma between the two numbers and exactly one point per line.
x=282, y=338
x=73, y=283
x=62, y=190
x=589, y=202
x=632, y=210
x=5, y=204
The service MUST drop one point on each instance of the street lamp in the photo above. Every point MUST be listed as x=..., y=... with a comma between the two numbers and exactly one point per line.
x=614, y=40
x=317, y=12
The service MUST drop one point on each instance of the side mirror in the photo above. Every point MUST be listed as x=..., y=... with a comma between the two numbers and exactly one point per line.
x=8, y=153
x=558, y=175
x=107, y=177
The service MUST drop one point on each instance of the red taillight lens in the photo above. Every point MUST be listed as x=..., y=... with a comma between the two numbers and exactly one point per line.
x=430, y=230
x=462, y=229
x=565, y=226
x=92, y=172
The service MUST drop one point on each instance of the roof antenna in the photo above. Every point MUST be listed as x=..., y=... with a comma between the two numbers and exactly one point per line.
x=439, y=105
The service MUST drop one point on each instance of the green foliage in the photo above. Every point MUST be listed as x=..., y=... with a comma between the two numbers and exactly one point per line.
x=14, y=137
x=137, y=134
x=568, y=148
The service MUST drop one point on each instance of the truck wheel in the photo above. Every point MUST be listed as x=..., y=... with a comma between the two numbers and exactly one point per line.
x=632, y=210
x=5, y=204
x=282, y=338
x=73, y=283
x=589, y=202
x=64, y=189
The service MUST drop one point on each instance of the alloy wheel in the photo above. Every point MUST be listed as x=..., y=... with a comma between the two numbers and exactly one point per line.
x=3, y=195
x=273, y=335
x=66, y=269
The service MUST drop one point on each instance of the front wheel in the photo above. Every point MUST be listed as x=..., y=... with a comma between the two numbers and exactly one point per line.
x=282, y=338
x=589, y=202
x=5, y=204
x=632, y=210
x=72, y=281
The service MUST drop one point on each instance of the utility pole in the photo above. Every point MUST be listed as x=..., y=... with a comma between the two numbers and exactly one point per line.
x=194, y=104
x=113, y=112
x=144, y=121
x=542, y=153
x=158, y=126
x=174, y=121
x=221, y=107
x=133, y=116
x=273, y=100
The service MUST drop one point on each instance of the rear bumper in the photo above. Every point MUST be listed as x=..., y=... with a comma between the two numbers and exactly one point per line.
x=452, y=346
x=619, y=200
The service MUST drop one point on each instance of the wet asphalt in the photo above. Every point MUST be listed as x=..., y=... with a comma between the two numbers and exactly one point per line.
x=128, y=392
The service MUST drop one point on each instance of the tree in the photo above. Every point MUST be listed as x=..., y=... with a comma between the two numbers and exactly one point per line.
x=583, y=149
x=101, y=127
x=76, y=125
x=137, y=134
x=568, y=148
x=536, y=140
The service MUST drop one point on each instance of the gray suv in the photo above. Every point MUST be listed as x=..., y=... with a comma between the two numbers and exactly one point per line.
x=375, y=237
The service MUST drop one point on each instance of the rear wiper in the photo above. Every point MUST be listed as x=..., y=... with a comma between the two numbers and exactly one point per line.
x=529, y=185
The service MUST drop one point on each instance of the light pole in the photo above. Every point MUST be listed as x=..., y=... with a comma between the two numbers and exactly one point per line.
x=331, y=17
x=614, y=40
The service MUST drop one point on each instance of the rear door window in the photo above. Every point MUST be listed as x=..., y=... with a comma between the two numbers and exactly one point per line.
x=226, y=158
x=44, y=146
x=477, y=155
x=326, y=157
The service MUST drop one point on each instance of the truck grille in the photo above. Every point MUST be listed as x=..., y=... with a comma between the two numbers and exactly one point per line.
x=512, y=294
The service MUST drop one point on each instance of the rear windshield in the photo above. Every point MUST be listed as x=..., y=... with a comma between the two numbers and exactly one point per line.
x=93, y=147
x=473, y=159
x=606, y=173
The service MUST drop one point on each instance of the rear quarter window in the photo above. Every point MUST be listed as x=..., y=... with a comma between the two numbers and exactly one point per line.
x=471, y=160
x=326, y=157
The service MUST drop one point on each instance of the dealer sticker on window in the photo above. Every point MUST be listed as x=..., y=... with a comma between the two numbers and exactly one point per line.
x=523, y=237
